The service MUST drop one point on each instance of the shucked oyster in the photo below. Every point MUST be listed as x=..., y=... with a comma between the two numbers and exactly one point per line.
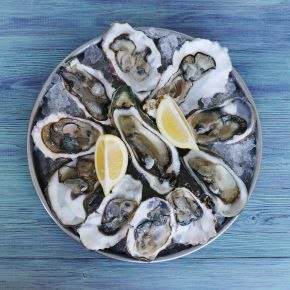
x=200, y=68
x=195, y=222
x=109, y=224
x=218, y=180
x=88, y=88
x=61, y=135
x=69, y=186
x=230, y=122
x=152, y=155
x=151, y=229
x=134, y=57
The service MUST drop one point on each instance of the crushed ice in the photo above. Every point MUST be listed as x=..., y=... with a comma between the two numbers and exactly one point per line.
x=241, y=156
x=57, y=99
x=167, y=45
x=155, y=33
x=92, y=54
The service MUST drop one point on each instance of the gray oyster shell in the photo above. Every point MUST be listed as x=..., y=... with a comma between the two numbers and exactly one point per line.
x=219, y=181
x=230, y=122
x=110, y=222
x=134, y=57
x=88, y=88
x=61, y=135
x=152, y=155
x=195, y=222
x=150, y=229
x=69, y=186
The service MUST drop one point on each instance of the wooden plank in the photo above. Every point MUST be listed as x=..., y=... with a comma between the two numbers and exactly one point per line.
x=106, y=274
x=254, y=253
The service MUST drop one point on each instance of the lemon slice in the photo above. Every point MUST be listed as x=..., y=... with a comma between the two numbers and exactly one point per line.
x=111, y=161
x=173, y=125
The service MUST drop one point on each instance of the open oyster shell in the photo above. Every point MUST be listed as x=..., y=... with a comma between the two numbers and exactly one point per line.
x=230, y=122
x=88, y=88
x=61, y=135
x=150, y=229
x=200, y=69
x=69, y=186
x=218, y=180
x=195, y=222
x=152, y=155
x=109, y=224
x=134, y=57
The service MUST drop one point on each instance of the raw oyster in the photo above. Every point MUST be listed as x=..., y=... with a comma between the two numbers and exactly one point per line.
x=69, y=186
x=152, y=155
x=200, y=68
x=61, y=135
x=109, y=224
x=88, y=88
x=134, y=57
x=218, y=180
x=230, y=122
x=151, y=229
x=195, y=222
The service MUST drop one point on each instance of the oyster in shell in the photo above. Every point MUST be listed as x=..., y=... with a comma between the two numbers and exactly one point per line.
x=152, y=155
x=62, y=135
x=200, y=68
x=218, y=180
x=69, y=186
x=150, y=229
x=109, y=224
x=88, y=88
x=134, y=57
x=230, y=122
x=195, y=222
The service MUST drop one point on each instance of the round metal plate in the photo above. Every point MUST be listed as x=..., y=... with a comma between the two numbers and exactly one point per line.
x=30, y=152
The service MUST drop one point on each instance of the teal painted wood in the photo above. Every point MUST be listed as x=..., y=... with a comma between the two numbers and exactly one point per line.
x=254, y=253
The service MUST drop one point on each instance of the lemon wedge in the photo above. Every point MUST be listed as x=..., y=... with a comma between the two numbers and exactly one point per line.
x=173, y=125
x=111, y=161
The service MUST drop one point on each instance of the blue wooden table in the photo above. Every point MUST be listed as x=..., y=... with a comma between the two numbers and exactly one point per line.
x=36, y=254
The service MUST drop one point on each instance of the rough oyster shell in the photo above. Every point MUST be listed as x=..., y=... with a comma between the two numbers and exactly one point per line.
x=88, y=88
x=69, y=186
x=218, y=180
x=150, y=229
x=195, y=222
x=62, y=135
x=200, y=69
x=152, y=155
x=109, y=224
x=230, y=122
x=134, y=57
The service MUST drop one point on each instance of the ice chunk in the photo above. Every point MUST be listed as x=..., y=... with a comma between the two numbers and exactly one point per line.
x=241, y=156
x=92, y=54
x=167, y=45
x=57, y=99
x=155, y=33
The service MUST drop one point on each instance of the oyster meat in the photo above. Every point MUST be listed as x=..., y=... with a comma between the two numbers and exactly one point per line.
x=218, y=180
x=230, y=122
x=134, y=57
x=152, y=155
x=195, y=222
x=62, y=135
x=151, y=229
x=88, y=88
x=200, y=68
x=69, y=186
x=109, y=224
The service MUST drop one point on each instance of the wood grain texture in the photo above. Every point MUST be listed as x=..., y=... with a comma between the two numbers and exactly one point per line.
x=253, y=254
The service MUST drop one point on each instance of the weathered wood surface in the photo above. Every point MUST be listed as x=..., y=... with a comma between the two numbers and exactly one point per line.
x=253, y=254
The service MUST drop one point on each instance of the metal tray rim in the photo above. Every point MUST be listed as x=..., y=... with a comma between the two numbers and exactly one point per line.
x=40, y=194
